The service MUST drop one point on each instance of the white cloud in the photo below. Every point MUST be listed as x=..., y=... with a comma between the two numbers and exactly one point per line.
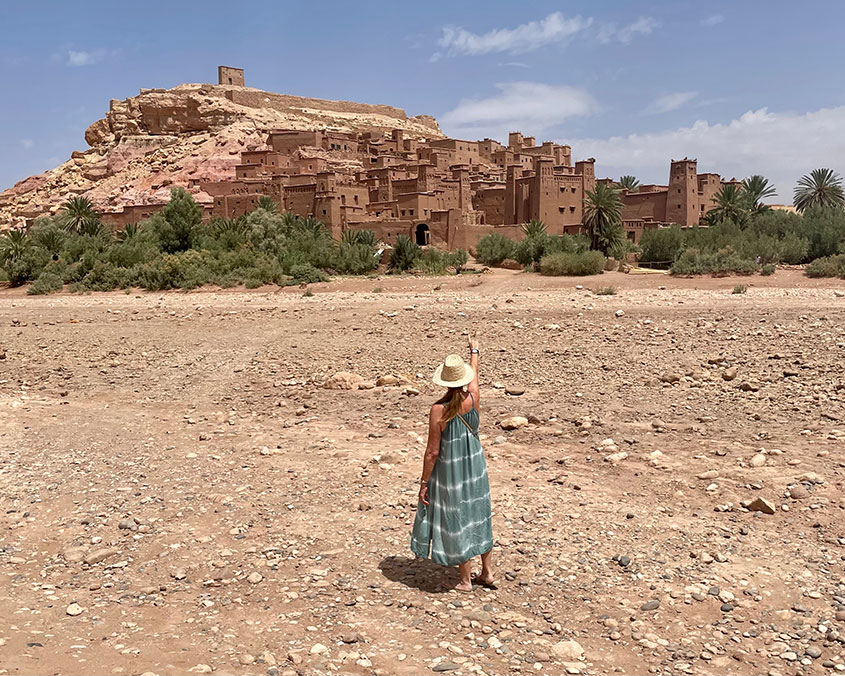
x=526, y=37
x=670, y=102
x=515, y=64
x=27, y=143
x=75, y=58
x=781, y=146
x=713, y=20
x=611, y=33
x=530, y=106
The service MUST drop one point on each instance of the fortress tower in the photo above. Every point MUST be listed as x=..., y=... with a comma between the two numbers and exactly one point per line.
x=682, y=199
x=226, y=75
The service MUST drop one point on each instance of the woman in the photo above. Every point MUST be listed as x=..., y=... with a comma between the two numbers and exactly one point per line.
x=453, y=513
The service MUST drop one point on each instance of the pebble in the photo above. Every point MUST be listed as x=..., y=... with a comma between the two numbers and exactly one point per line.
x=74, y=609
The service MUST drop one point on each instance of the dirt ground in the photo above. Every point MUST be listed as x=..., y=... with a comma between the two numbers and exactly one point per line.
x=180, y=493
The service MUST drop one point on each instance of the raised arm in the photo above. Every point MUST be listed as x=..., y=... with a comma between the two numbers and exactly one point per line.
x=432, y=449
x=473, y=361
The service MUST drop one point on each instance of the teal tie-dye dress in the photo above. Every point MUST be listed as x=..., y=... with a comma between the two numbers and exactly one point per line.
x=456, y=525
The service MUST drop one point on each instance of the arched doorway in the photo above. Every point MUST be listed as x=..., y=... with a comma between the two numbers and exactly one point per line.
x=423, y=236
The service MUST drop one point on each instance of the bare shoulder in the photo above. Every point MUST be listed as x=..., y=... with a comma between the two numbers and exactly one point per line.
x=436, y=410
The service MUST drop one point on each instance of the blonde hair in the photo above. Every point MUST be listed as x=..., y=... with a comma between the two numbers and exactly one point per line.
x=452, y=402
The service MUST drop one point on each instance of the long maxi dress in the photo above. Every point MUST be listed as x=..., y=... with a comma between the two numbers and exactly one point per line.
x=456, y=525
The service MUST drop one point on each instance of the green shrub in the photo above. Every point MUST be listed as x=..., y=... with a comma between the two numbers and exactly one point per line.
x=566, y=244
x=177, y=225
x=530, y=251
x=27, y=266
x=355, y=258
x=494, y=248
x=577, y=265
x=404, y=255
x=828, y=266
x=47, y=282
x=305, y=272
x=605, y=291
x=739, y=288
x=436, y=262
x=719, y=263
x=794, y=249
x=661, y=244
x=104, y=276
x=768, y=269
x=622, y=248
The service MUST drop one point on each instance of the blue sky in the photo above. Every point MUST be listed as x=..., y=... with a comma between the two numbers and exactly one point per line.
x=746, y=87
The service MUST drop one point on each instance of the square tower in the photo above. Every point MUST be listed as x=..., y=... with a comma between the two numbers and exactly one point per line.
x=226, y=75
x=682, y=198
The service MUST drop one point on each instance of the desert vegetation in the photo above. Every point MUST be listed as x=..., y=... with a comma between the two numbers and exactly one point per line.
x=174, y=249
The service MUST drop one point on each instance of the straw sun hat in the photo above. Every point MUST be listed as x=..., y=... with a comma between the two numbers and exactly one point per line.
x=453, y=372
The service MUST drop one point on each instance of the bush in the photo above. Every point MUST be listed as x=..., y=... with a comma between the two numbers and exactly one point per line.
x=719, y=264
x=605, y=291
x=624, y=247
x=436, y=262
x=661, y=244
x=27, y=266
x=305, y=272
x=404, y=255
x=739, y=288
x=829, y=266
x=530, y=251
x=767, y=270
x=580, y=264
x=177, y=224
x=433, y=261
x=356, y=258
x=494, y=248
x=47, y=282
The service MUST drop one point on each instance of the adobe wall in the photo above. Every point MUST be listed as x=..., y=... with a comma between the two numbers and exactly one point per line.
x=254, y=98
x=645, y=206
x=226, y=75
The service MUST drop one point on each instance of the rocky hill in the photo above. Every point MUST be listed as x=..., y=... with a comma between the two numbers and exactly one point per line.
x=176, y=137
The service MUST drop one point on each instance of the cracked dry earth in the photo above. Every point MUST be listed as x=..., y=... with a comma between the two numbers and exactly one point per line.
x=180, y=493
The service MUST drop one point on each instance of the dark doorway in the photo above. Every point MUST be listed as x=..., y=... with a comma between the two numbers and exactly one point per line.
x=423, y=234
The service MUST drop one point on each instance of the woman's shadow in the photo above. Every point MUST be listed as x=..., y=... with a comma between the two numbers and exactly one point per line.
x=422, y=574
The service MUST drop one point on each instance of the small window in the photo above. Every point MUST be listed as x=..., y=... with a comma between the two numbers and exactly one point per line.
x=324, y=212
x=572, y=209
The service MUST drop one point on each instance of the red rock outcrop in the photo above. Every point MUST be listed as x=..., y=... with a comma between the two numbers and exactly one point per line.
x=177, y=137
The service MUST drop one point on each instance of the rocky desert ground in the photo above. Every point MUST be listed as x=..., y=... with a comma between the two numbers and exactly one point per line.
x=181, y=492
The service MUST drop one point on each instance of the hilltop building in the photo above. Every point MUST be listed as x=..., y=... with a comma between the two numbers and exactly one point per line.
x=443, y=191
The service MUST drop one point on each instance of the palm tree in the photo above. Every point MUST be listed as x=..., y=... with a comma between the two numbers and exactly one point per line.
x=630, y=183
x=268, y=204
x=78, y=215
x=820, y=188
x=49, y=238
x=730, y=205
x=129, y=232
x=534, y=229
x=12, y=246
x=603, y=217
x=312, y=225
x=756, y=188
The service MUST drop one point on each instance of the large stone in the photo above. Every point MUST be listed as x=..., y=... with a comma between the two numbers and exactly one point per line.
x=343, y=380
x=761, y=505
x=568, y=651
x=513, y=423
x=99, y=555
